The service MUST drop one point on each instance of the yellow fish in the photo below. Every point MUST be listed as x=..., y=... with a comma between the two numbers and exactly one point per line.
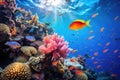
x=79, y=24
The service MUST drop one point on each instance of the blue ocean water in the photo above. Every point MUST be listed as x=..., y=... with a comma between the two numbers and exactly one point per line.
x=63, y=12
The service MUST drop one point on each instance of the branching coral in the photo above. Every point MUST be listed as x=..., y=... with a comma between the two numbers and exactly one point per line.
x=55, y=45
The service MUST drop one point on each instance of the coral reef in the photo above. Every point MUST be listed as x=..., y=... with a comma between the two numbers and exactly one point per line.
x=55, y=45
x=28, y=50
x=4, y=32
x=16, y=71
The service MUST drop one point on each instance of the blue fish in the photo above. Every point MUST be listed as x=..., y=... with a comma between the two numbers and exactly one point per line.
x=13, y=44
x=30, y=38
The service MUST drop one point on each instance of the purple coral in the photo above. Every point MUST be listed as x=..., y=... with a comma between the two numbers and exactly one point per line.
x=55, y=45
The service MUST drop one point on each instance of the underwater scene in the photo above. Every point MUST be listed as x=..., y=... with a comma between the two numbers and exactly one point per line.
x=59, y=39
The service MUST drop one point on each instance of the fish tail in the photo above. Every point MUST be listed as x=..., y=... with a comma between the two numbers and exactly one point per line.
x=88, y=23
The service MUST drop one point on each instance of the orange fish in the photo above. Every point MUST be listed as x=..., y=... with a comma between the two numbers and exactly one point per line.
x=107, y=44
x=94, y=15
x=78, y=72
x=102, y=29
x=79, y=24
x=116, y=51
x=96, y=53
x=54, y=63
x=91, y=37
x=13, y=31
x=105, y=50
x=99, y=66
x=92, y=58
x=72, y=68
x=72, y=60
x=113, y=75
x=95, y=62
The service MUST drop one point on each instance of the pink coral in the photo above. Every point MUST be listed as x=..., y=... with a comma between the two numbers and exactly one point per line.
x=55, y=45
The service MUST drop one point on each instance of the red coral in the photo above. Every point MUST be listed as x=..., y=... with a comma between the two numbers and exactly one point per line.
x=55, y=45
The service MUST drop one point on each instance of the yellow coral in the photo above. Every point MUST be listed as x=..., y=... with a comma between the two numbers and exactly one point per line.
x=16, y=71
x=29, y=50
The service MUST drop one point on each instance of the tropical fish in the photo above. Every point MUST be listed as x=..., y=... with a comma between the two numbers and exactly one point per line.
x=54, y=63
x=98, y=66
x=13, y=31
x=92, y=58
x=95, y=62
x=73, y=60
x=94, y=15
x=107, y=44
x=102, y=29
x=72, y=68
x=116, y=18
x=96, y=53
x=79, y=24
x=78, y=72
x=13, y=44
x=105, y=50
x=30, y=38
x=91, y=32
x=116, y=51
x=73, y=51
x=91, y=37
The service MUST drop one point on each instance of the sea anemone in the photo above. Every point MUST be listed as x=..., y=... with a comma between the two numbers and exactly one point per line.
x=29, y=50
x=55, y=45
x=16, y=71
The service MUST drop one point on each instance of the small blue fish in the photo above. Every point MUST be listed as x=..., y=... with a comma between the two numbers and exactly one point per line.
x=13, y=44
x=30, y=38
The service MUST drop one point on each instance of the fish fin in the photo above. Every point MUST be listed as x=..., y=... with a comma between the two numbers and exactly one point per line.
x=80, y=21
x=88, y=23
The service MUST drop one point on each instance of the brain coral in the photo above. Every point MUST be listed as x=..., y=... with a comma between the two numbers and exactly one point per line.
x=16, y=71
x=29, y=50
x=4, y=28
x=4, y=32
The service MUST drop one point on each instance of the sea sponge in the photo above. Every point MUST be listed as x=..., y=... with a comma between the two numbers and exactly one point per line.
x=29, y=50
x=81, y=76
x=16, y=71
x=55, y=45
